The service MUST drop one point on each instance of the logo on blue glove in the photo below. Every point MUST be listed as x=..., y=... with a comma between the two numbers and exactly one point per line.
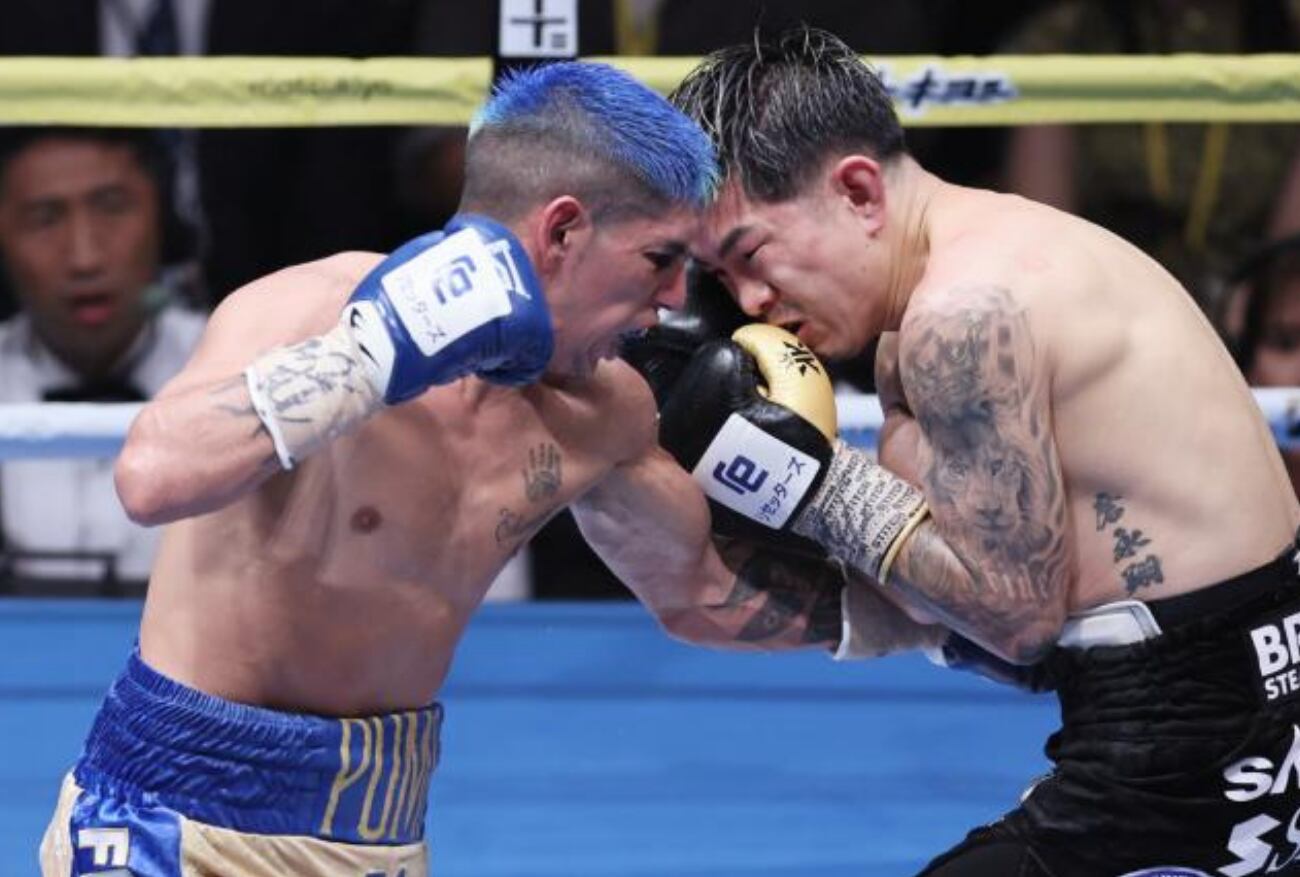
x=507, y=268
x=456, y=280
x=739, y=475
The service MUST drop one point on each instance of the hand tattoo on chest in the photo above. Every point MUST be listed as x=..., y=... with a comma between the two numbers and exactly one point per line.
x=1129, y=543
x=543, y=477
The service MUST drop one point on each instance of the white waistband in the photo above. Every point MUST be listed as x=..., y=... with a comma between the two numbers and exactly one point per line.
x=1121, y=623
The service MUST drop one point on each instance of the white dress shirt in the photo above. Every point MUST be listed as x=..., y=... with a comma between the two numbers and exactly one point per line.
x=71, y=505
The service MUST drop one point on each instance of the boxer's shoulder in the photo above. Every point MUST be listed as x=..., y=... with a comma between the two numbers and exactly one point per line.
x=612, y=409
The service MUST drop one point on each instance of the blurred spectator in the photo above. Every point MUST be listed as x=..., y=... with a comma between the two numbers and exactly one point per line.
x=1194, y=196
x=1266, y=336
x=83, y=225
x=265, y=197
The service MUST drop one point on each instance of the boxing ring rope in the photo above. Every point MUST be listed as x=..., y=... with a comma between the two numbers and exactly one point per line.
x=539, y=688
x=282, y=91
x=88, y=430
x=929, y=90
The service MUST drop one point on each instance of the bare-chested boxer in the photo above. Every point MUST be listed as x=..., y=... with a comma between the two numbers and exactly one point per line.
x=341, y=490
x=1075, y=473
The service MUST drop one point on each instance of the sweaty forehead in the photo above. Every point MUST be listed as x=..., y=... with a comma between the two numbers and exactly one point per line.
x=676, y=228
x=725, y=223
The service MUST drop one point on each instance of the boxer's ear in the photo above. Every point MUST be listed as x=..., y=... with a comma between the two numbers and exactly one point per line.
x=860, y=181
x=560, y=227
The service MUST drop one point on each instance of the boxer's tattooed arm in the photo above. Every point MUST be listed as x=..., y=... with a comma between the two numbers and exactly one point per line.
x=994, y=562
x=781, y=597
x=231, y=397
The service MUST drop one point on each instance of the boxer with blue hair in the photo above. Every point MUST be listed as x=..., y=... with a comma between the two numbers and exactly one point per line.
x=355, y=450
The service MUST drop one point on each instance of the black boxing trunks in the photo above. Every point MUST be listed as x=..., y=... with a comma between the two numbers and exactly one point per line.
x=1179, y=751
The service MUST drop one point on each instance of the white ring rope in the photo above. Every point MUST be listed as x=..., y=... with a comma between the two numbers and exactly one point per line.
x=64, y=429
x=89, y=430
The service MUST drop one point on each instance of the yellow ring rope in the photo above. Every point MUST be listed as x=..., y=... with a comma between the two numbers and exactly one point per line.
x=993, y=90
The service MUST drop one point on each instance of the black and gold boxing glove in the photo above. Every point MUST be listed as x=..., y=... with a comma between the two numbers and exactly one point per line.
x=753, y=420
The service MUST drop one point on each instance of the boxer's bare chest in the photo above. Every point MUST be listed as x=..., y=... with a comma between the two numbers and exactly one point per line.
x=443, y=491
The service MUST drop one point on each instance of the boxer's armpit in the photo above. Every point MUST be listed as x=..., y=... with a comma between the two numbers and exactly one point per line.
x=782, y=598
x=995, y=561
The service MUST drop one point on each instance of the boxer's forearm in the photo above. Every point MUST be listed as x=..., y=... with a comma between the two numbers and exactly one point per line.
x=995, y=560
x=1003, y=603
x=774, y=599
x=192, y=453
x=651, y=529
x=877, y=623
x=988, y=608
x=651, y=525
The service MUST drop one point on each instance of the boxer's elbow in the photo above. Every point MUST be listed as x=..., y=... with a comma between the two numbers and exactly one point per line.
x=697, y=626
x=138, y=490
x=1029, y=641
x=141, y=477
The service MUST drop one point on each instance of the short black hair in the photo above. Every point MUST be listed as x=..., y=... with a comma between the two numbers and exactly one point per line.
x=777, y=109
x=145, y=145
x=149, y=148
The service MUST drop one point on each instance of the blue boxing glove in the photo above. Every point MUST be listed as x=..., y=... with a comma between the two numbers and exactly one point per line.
x=448, y=304
x=463, y=301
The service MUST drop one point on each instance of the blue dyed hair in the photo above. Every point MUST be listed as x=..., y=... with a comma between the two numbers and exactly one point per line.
x=569, y=125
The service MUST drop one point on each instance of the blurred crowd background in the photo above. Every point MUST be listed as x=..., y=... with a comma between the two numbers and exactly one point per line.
x=114, y=243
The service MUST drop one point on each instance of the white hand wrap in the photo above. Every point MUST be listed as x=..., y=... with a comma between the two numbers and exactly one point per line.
x=311, y=393
x=872, y=626
x=862, y=512
x=856, y=613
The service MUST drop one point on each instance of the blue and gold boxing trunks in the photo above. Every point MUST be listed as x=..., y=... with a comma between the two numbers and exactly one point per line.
x=173, y=781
